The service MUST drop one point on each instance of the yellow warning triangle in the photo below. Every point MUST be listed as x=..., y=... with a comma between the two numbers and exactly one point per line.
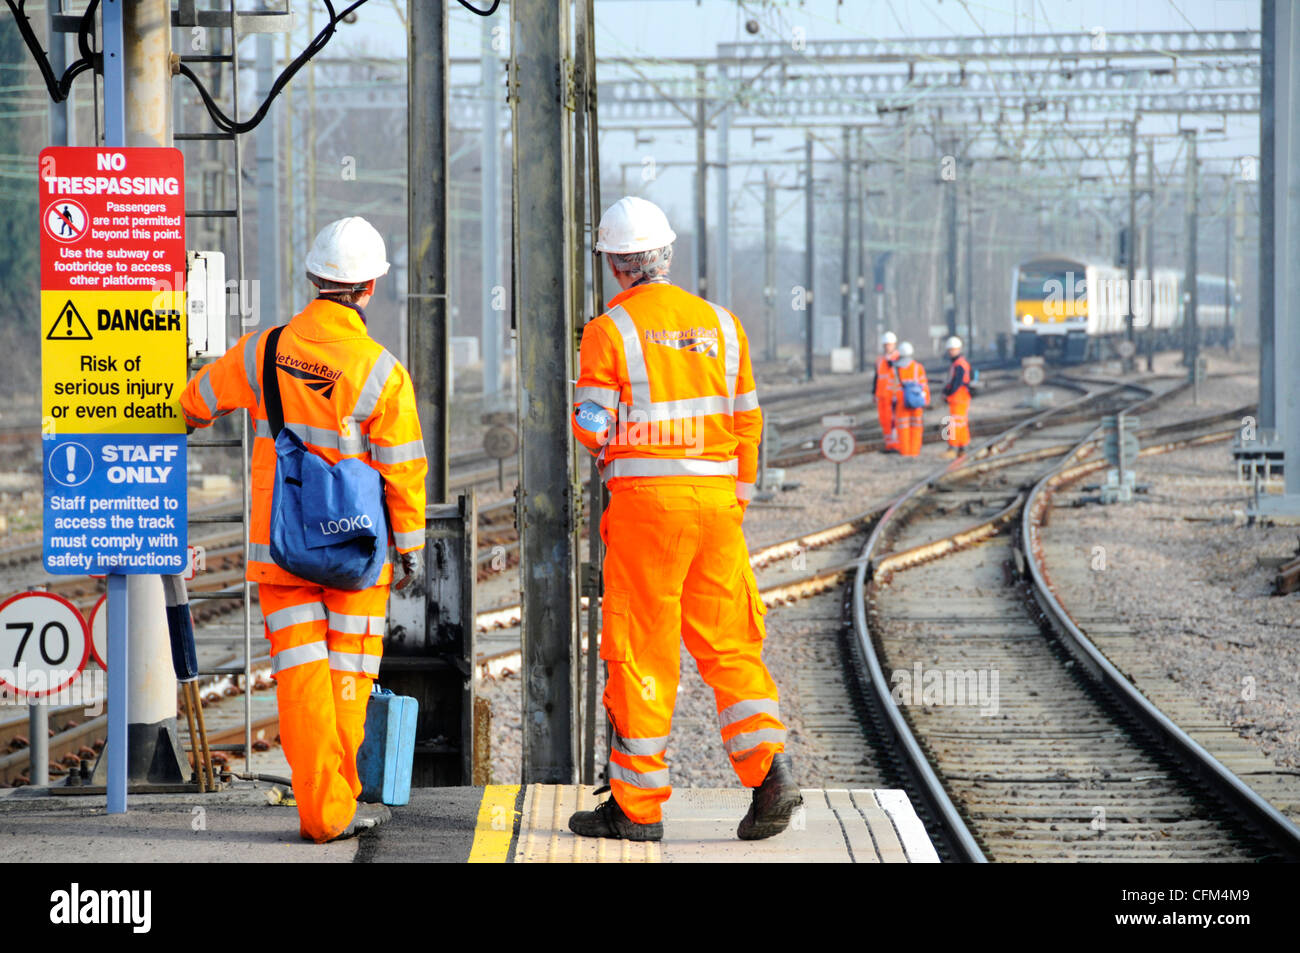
x=68, y=326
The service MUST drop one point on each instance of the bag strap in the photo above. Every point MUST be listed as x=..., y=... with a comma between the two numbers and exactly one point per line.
x=271, y=383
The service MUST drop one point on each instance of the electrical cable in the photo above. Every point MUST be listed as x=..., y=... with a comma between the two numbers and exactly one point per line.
x=483, y=13
x=58, y=87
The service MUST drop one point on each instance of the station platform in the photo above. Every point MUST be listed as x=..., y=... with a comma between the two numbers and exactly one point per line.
x=493, y=824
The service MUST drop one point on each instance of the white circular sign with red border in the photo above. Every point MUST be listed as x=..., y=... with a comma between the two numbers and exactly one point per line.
x=99, y=633
x=44, y=644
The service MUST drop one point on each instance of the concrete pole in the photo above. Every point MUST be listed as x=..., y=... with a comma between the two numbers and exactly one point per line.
x=427, y=309
x=1151, y=250
x=153, y=751
x=1282, y=268
x=722, y=271
x=268, y=191
x=865, y=351
x=1132, y=235
x=490, y=250
x=1269, y=86
x=810, y=263
x=1229, y=205
x=769, y=263
x=1191, y=346
x=950, y=274
x=968, y=258
x=701, y=188
x=543, y=293
x=846, y=289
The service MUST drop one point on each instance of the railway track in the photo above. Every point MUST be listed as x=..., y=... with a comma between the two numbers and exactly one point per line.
x=1021, y=740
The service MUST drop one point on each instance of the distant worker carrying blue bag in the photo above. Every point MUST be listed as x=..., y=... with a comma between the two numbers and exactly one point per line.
x=338, y=472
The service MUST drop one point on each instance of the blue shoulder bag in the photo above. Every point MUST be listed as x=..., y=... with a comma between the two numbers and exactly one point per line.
x=343, y=544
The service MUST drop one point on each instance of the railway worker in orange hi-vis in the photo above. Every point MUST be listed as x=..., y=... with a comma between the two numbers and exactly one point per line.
x=344, y=395
x=883, y=388
x=956, y=390
x=665, y=399
x=910, y=401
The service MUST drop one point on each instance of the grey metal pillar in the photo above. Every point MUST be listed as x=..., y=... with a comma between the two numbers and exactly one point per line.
x=866, y=352
x=1151, y=249
x=490, y=250
x=1191, y=345
x=1132, y=234
x=701, y=187
x=543, y=289
x=950, y=273
x=153, y=747
x=769, y=264
x=428, y=344
x=810, y=263
x=1271, y=86
x=722, y=270
x=268, y=192
x=968, y=259
x=846, y=295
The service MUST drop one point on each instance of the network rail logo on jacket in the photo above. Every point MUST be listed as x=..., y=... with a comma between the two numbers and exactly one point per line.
x=700, y=340
x=317, y=376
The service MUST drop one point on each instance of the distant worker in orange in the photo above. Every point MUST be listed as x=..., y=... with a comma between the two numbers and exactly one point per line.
x=884, y=388
x=910, y=401
x=956, y=390
x=665, y=399
x=344, y=395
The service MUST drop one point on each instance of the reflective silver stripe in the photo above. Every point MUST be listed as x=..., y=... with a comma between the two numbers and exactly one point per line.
x=299, y=655
x=208, y=394
x=260, y=553
x=354, y=662
x=600, y=395
x=641, y=746
x=373, y=388
x=746, y=401
x=687, y=407
x=749, y=739
x=408, y=539
x=250, y=365
x=744, y=709
x=638, y=378
x=638, y=779
x=731, y=347
x=669, y=466
x=321, y=437
x=350, y=624
x=295, y=615
x=744, y=491
x=399, y=453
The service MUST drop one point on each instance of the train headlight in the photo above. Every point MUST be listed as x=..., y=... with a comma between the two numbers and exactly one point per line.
x=1026, y=319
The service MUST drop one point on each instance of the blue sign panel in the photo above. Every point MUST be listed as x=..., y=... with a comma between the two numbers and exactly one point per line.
x=115, y=503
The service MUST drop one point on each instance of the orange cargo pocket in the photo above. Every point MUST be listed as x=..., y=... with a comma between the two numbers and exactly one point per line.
x=614, y=628
x=757, y=629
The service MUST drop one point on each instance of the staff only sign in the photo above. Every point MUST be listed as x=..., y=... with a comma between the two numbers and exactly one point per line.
x=113, y=359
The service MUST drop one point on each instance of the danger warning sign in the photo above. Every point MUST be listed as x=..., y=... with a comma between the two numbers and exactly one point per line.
x=113, y=358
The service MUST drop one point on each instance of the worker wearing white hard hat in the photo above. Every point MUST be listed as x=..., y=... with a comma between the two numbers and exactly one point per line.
x=956, y=391
x=667, y=404
x=344, y=396
x=883, y=388
x=912, y=398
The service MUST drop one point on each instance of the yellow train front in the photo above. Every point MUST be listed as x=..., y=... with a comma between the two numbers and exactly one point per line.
x=1071, y=310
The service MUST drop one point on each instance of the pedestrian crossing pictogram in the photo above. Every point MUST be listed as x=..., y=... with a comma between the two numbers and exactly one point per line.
x=68, y=326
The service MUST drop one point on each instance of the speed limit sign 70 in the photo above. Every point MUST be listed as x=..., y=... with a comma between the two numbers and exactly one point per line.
x=838, y=444
x=43, y=644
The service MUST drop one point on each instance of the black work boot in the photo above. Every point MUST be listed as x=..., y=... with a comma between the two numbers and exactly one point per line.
x=375, y=813
x=608, y=820
x=774, y=801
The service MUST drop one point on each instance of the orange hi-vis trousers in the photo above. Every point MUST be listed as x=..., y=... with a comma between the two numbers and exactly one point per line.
x=325, y=651
x=677, y=568
x=910, y=429
x=888, y=425
x=959, y=423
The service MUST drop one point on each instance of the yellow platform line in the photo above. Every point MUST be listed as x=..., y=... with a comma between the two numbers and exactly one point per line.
x=495, y=826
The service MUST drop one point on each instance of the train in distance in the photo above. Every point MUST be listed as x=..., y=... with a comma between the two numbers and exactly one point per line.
x=1068, y=310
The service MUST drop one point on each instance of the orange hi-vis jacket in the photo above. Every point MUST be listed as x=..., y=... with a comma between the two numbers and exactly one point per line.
x=344, y=394
x=672, y=373
x=885, y=383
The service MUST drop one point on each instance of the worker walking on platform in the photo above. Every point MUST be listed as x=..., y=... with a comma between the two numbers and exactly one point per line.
x=344, y=395
x=956, y=390
x=666, y=401
x=910, y=401
x=885, y=387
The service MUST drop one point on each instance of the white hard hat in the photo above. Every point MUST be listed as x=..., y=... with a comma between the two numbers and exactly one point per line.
x=631, y=225
x=905, y=349
x=349, y=251
x=889, y=337
x=953, y=342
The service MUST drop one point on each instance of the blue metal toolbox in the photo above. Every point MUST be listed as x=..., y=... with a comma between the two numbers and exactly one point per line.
x=384, y=759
